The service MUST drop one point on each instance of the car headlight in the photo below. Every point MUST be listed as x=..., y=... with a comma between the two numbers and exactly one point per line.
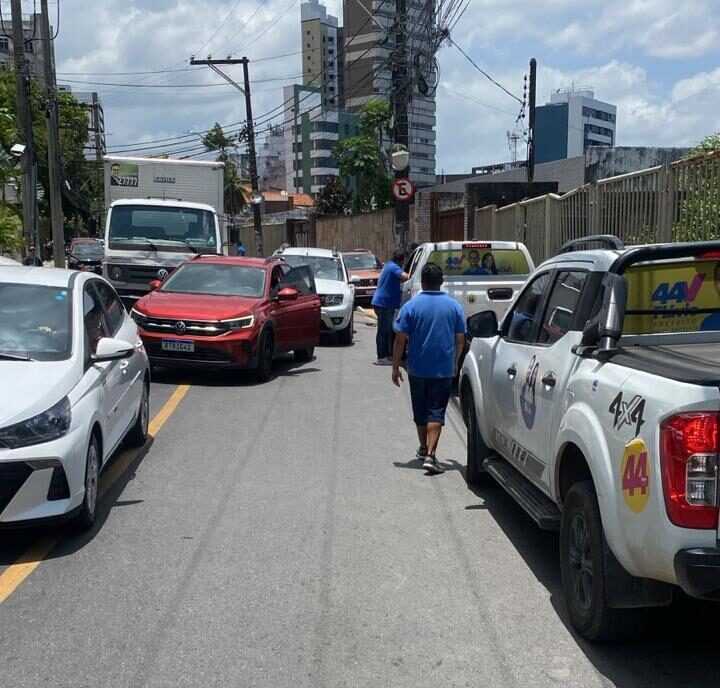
x=240, y=323
x=45, y=427
x=139, y=318
x=331, y=299
x=116, y=274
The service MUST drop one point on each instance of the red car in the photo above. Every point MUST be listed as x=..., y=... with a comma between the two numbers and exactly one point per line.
x=230, y=312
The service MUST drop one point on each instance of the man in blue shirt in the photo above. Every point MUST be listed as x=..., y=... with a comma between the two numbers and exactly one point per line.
x=386, y=301
x=432, y=324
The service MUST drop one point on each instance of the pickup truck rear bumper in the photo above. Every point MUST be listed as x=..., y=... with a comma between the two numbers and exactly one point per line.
x=698, y=572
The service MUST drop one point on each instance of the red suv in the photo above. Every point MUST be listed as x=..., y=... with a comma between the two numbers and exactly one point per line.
x=230, y=312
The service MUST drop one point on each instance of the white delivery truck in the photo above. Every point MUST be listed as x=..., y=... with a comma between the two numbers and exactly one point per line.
x=160, y=213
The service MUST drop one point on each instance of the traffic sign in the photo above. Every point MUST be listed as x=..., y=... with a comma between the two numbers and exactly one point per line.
x=403, y=190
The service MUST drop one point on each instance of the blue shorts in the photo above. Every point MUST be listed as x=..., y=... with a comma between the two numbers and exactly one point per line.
x=430, y=397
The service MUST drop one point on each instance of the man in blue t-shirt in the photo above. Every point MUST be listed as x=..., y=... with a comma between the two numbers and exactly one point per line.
x=386, y=301
x=432, y=324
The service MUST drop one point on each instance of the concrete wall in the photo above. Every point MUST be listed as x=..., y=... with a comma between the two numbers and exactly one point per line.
x=373, y=231
x=273, y=236
x=602, y=163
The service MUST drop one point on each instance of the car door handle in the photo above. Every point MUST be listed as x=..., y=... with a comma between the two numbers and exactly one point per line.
x=512, y=371
x=549, y=380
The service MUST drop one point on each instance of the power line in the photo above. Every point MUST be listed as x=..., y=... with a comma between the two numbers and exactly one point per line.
x=483, y=72
x=475, y=100
x=220, y=26
x=126, y=85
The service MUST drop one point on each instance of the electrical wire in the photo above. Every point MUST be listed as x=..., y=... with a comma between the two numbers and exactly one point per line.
x=220, y=26
x=115, y=83
x=483, y=72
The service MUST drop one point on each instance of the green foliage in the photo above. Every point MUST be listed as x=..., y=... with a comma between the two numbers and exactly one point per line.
x=700, y=207
x=216, y=140
x=10, y=229
x=333, y=199
x=361, y=158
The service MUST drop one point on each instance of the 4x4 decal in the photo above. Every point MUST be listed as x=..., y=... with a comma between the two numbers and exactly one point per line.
x=628, y=412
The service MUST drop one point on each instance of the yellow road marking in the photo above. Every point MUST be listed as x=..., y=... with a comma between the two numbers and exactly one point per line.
x=14, y=575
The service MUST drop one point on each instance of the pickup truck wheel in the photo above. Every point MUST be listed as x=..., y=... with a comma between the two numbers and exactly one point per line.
x=477, y=450
x=582, y=565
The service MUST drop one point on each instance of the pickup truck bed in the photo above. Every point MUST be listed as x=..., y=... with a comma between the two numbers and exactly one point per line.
x=695, y=364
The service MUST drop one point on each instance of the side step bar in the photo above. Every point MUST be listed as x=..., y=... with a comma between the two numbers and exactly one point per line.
x=541, y=509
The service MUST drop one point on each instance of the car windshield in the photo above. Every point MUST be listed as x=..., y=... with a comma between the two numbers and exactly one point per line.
x=88, y=250
x=480, y=260
x=35, y=322
x=187, y=230
x=360, y=261
x=323, y=268
x=221, y=280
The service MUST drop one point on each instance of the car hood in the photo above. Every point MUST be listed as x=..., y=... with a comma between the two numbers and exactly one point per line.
x=365, y=274
x=31, y=387
x=325, y=286
x=159, y=304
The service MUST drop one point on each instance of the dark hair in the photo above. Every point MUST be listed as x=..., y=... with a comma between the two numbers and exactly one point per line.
x=431, y=277
x=493, y=267
x=398, y=256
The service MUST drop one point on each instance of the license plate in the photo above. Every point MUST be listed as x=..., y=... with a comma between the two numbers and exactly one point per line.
x=181, y=346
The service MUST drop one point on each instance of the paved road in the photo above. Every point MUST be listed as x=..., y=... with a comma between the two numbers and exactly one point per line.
x=281, y=535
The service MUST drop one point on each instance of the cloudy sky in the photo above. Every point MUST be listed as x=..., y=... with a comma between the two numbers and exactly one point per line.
x=658, y=60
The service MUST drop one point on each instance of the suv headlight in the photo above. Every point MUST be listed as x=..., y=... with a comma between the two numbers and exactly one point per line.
x=139, y=318
x=240, y=323
x=331, y=299
x=45, y=427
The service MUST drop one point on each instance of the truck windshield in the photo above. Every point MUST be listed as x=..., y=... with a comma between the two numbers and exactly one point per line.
x=322, y=268
x=137, y=227
x=480, y=260
x=677, y=296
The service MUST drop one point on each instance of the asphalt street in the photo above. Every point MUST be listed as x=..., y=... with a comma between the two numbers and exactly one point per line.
x=282, y=535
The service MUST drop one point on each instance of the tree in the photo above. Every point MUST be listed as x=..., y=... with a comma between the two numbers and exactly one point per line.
x=699, y=218
x=333, y=199
x=10, y=229
x=361, y=158
x=216, y=140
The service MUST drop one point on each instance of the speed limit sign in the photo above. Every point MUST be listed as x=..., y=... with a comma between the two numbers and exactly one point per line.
x=403, y=190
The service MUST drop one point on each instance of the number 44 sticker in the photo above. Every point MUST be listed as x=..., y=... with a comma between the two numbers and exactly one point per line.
x=635, y=475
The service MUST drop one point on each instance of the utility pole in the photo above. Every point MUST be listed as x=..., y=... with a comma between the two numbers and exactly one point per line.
x=401, y=96
x=55, y=174
x=250, y=129
x=22, y=86
x=531, y=124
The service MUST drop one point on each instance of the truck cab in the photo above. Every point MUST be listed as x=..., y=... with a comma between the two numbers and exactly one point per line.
x=146, y=239
x=595, y=403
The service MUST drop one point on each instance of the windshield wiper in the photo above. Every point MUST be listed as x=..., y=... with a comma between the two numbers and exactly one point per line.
x=189, y=245
x=7, y=356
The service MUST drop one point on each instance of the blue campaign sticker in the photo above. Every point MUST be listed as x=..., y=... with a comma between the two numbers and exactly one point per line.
x=61, y=295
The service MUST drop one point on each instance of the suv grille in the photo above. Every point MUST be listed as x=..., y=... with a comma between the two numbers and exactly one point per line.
x=368, y=282
x=139, y=273
x=180, y=327
x=12, y=477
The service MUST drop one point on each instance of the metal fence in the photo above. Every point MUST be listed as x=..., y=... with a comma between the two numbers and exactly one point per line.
x=677, y=202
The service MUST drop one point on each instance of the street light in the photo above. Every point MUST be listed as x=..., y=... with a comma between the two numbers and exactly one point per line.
x=400, y=157
x=18, y=150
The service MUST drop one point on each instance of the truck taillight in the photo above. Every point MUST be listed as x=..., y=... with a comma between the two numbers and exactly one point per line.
x=689, y=461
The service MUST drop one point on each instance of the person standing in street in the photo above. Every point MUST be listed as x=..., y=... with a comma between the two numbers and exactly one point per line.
x=32, y=259
x=432, y=325
x=241, y=248
x=386, y=301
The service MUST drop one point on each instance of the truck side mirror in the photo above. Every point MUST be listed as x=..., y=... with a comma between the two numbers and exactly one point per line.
x=601, y=334
x=483, y=325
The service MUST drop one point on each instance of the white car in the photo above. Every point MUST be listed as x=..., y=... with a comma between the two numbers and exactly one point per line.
x=337, y=293
x=75, y=381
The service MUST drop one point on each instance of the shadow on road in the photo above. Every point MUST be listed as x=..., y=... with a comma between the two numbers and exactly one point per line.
x=16, y=542
x=679, y=646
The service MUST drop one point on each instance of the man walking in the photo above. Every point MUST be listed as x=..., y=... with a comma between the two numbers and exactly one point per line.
x=432, y=324
x=386, y=301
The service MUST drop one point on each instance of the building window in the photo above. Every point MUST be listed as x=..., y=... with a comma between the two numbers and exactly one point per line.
x=331, y=39
x=4, y=45
x=308, y=33
x=29, y=47
x=598, y=114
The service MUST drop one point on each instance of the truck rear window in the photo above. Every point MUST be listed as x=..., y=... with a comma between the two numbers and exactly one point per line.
x=481, y=261
x=681, y=296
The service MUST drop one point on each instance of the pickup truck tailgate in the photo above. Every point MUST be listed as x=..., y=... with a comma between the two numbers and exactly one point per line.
x=475, y=295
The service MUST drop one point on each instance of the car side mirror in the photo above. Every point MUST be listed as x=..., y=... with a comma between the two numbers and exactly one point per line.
x=111, y=349
x=354, y=280
x=155, y=284
x=288, y=294
x=483, y=325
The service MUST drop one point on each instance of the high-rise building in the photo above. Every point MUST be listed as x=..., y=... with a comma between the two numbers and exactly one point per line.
x=322, y=52
x=570, y=123
x=368, y=29
x=33, y=46
x=311, y=138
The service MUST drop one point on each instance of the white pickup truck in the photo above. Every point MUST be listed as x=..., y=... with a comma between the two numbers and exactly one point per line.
x=478, y=274
x=595, y=404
